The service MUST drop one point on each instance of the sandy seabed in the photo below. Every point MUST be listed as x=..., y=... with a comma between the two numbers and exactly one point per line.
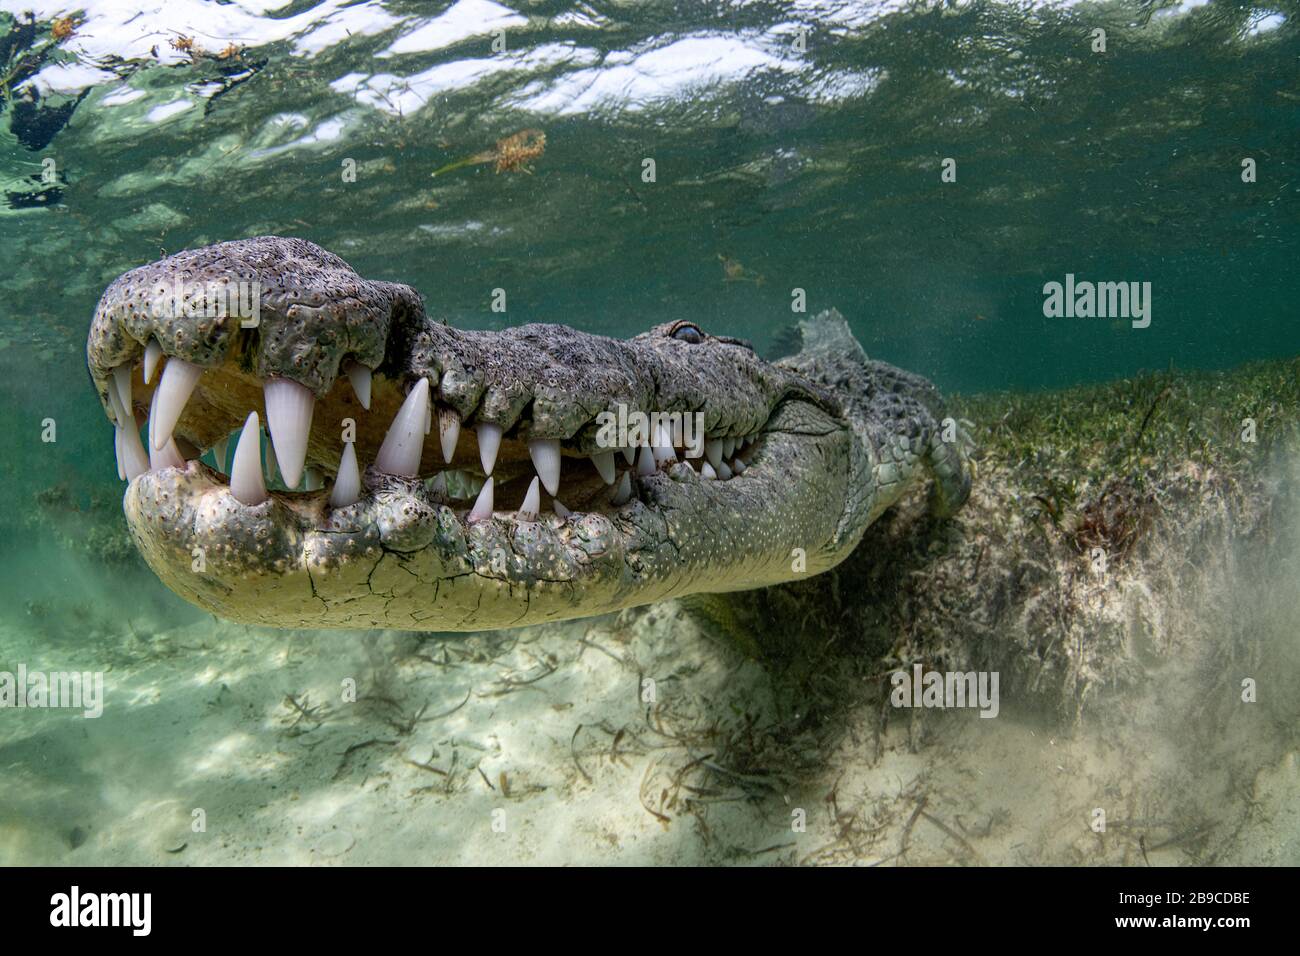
x=629, y=739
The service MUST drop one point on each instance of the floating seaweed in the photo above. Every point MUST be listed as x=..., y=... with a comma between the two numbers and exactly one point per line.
x=734, y=271
x=510, y=155
x=65, y=27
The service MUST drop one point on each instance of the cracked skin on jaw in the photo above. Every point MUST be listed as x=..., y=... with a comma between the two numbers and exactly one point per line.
x=839, y=439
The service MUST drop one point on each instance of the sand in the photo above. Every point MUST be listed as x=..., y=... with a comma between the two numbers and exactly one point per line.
x=221, y=744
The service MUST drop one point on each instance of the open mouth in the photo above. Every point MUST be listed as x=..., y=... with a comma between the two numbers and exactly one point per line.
x=340, y=385
x=367, y=465
x=338, y=446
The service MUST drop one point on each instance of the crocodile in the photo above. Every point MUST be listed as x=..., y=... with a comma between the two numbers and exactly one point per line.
x=423, y=477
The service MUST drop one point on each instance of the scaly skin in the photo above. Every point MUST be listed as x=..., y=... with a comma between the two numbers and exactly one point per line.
x=840, y=439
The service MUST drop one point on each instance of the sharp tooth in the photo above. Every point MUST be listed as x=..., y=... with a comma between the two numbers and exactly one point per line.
x=707, y=473
x=623, y=493
x=134, y=460
x=439, y=484
x=604, y=462
x=246, y=467
x=561, y=512
x=289, y=408
x=489, y=443
x=482, y=509
x=545, y=453
x=312, y=480
x=359, y=376
x=219, y=452
x=738, y=467
x=122, y=379
x=663, y=446
x=728, y=447
x=152, y=422
x=174, y=389
x=724, y=472
x=645, y=463
x=152, y=353
x=347, y=483
x=630, y=455
x=404, y=443
x=115, y=405
x=117, y=453
x=532, y=505
x=448, y=431
x=169, y=456
x=713, y=451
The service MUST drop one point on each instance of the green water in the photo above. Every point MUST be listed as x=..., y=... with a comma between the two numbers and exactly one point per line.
x=778, y=165
x=818, y=170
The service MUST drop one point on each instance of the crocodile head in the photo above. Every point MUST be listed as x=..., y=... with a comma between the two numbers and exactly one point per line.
x=546, y=488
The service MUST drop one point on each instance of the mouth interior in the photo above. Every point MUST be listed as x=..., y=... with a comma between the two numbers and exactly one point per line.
x=223, y=397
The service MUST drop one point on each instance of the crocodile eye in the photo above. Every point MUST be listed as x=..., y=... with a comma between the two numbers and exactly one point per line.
x=690, y=334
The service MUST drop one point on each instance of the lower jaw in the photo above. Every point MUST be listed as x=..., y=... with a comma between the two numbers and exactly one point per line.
x=402, y=558
x=396, y=559
x=407, y=564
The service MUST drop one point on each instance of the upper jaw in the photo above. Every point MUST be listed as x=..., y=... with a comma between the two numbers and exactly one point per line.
x=311, y=312
x=552, y=381
x=316, y=318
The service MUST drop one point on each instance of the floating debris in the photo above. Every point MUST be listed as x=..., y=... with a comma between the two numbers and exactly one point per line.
x=184, y=44
x=64, y=27
x=734, y=271
x=510, y=154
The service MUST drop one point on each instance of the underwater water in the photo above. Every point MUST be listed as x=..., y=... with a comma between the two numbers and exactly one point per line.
x=926, y=169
